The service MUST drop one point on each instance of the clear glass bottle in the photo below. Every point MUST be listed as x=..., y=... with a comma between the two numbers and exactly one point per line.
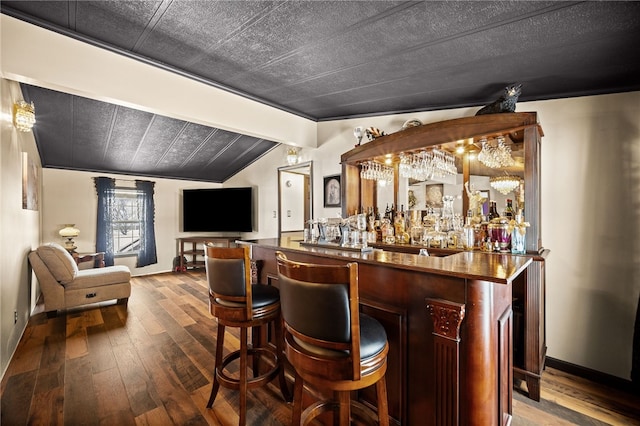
x=518, y=235
x=469, y=232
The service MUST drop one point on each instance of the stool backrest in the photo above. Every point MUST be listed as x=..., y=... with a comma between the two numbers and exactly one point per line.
x=229, y=277
x=320, y=310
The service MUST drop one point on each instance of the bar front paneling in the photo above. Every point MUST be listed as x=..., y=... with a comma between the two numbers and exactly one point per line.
x=396, y=289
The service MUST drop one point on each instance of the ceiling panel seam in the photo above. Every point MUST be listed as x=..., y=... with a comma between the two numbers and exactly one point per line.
x=335, y=34
x=72, y=10
x=200, y=146
x=219, y=153
x=373, y=59
x=142, y=141
x=114, y=115
x=173, y=142
x=246, y=151
x=239, y=30
x=148, y=29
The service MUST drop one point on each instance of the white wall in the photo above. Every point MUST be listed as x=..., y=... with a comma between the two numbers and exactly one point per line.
x=19, y=229
x=590, y=216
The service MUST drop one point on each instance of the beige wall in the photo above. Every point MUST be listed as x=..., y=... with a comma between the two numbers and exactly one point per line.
x=590, y=215
x=19, y=229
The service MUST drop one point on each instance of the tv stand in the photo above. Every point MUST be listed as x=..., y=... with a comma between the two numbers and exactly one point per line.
x=193, y=257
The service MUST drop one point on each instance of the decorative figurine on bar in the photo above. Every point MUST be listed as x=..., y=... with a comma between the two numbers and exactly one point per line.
x=475, y=202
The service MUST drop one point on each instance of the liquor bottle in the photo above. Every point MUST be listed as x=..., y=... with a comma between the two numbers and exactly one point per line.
x=387, y=212
x=508, y=210
x=469, y=232
x=399, y=226
x=493, y=211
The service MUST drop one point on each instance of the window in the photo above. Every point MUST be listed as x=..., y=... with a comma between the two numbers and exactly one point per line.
x=126, y=221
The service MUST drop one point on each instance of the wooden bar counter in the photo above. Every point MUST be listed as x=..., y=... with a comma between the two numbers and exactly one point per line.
x=448, y=321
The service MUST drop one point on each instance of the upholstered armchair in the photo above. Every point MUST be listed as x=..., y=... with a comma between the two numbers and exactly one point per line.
x=64, y=286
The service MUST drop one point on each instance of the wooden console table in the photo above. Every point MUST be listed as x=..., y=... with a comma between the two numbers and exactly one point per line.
x=193, y=257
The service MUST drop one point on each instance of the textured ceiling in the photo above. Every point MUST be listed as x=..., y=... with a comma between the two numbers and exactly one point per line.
x=329, y=59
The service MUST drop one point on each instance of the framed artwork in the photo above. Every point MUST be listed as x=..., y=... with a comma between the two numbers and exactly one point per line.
x=29, y=183
x=433, y=195
x=332, y=191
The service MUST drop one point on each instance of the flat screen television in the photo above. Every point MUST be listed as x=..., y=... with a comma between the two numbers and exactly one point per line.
x=217, y=210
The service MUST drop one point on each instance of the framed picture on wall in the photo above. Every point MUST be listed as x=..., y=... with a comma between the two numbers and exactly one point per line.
x=433, y=195
x=332, y=191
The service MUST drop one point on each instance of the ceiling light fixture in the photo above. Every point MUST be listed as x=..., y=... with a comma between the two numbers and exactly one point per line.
x=24, y=116
x=505, y=184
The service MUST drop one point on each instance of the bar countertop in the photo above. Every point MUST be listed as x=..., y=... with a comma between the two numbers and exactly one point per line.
x=494, y=267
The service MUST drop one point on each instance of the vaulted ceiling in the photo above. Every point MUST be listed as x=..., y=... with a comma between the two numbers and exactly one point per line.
x=321, y=60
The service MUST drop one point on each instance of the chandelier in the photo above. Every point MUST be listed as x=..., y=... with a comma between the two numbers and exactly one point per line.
x=24, y=116
x=505, y=184
x=495, y=156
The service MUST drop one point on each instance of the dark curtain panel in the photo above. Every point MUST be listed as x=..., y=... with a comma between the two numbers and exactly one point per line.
x=105, y=187
x=147, y=251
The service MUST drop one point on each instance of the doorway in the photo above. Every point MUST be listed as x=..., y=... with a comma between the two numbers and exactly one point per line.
x=295, y=198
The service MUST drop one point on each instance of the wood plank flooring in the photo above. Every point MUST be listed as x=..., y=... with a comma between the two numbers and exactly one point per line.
x=150, y=364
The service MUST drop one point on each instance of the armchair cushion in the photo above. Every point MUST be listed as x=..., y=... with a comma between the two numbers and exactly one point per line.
x=100, y=276
x=59, y=261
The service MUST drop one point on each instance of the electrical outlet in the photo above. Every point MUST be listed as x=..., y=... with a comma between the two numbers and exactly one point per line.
x=15, y=317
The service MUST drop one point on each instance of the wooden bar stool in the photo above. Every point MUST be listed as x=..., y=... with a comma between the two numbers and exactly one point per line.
x=235, y=302
x=331, y=345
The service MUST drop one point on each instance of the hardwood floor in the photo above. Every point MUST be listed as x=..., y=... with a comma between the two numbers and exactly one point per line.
x=150, y=364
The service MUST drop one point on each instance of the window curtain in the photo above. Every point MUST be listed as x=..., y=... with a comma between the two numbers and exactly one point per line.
x=147, y=252
x=105, y=187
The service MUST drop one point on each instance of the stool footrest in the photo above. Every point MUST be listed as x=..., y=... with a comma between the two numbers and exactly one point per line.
x=254, y=382
x=358, y=411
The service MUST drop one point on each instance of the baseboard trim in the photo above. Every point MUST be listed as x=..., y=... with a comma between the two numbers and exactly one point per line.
x=593, y=375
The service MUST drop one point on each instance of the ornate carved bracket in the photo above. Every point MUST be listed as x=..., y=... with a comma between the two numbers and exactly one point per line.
x=447, y=317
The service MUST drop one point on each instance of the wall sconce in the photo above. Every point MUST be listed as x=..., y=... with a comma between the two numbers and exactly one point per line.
x=69, y=232
x=292, y=156
x=24, y=116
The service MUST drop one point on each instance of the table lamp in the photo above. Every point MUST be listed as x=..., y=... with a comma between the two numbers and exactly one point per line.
x=69, y=232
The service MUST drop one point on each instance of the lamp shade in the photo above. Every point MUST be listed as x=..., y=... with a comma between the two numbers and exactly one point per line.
x=69, y=231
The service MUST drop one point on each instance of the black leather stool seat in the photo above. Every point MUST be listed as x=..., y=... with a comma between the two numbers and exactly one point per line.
x=263, y=295
x=373, y=338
